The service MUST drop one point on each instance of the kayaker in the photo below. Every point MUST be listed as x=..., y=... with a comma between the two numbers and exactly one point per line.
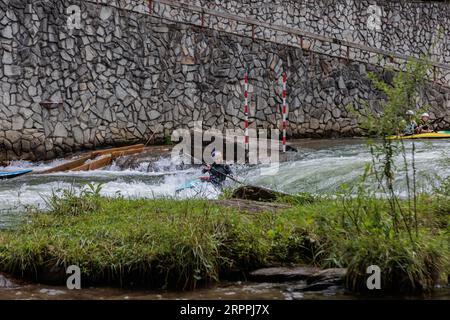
x=425, y=125
x=411, y=125
x=218, y=171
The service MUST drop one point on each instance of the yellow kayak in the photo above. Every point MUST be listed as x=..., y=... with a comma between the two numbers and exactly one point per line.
x=433, y=135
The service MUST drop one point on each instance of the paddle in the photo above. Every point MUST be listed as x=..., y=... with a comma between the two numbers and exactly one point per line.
x=436, y=120
x=432, y=122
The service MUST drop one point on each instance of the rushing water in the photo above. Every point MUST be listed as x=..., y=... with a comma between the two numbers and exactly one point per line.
x=325, y=170
x=318, y=167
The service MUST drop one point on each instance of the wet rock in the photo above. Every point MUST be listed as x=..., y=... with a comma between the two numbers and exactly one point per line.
x=325, y=279
x=333, y=274
x=52, y=292
x=257, y=193
x=6, y=283
x=283, y=274
x=319, y=286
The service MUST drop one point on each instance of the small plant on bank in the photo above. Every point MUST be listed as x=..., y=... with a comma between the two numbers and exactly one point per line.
x=299, y=198
x=226, y=193
x=74, y=201
x=401, y=96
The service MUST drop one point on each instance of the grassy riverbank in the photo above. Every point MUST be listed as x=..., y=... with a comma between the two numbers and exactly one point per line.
x=183, y=243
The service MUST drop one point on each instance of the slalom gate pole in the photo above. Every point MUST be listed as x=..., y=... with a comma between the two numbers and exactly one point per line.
x=284, y=111
x=246, y=111
x=150, y=7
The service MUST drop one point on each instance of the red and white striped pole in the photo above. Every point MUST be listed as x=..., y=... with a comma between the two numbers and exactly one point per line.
x=284, y=111
x=150, y=7
x=246, y=109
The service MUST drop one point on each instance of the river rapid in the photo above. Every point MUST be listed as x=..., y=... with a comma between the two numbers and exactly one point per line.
x=320, y=166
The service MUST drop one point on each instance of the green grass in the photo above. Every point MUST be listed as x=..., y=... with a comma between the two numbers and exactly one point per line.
x=158, y=242
x=179, y=244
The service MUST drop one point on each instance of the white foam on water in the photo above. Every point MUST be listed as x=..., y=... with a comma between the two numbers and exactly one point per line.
x=29, y=195
x=25, y=194
x=315, y=171
x=16, y=165
x=139, y=189
x=327, y=170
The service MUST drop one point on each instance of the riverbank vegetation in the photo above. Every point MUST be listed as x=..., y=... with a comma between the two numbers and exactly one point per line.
x=184, y=243
x=407, y=247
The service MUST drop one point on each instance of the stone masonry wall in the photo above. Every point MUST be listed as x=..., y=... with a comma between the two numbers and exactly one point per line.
x=401, y=26
x=408, y=28
x=124, y=77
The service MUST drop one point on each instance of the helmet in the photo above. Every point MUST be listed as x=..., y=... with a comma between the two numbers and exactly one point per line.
x=217, y=156
x=425, y=115
x=409, y=113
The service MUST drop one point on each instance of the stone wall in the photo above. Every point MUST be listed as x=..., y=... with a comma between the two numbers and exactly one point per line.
x=405, y=27
x=124, y=76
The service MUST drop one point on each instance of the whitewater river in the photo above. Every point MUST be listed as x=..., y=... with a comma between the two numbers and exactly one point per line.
x=319, y=167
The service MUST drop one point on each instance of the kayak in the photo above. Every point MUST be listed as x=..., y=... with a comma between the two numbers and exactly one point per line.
x=13, y=174
x=432, y=135
x=198, y=184
x=189, y=185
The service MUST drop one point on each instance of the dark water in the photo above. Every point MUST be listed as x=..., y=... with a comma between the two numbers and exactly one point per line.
x=224, y=291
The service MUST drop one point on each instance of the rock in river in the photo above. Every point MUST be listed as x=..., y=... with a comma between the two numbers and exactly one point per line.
x=5, y=283
x=283, y=274
x=315, y=278
x=325, y=279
